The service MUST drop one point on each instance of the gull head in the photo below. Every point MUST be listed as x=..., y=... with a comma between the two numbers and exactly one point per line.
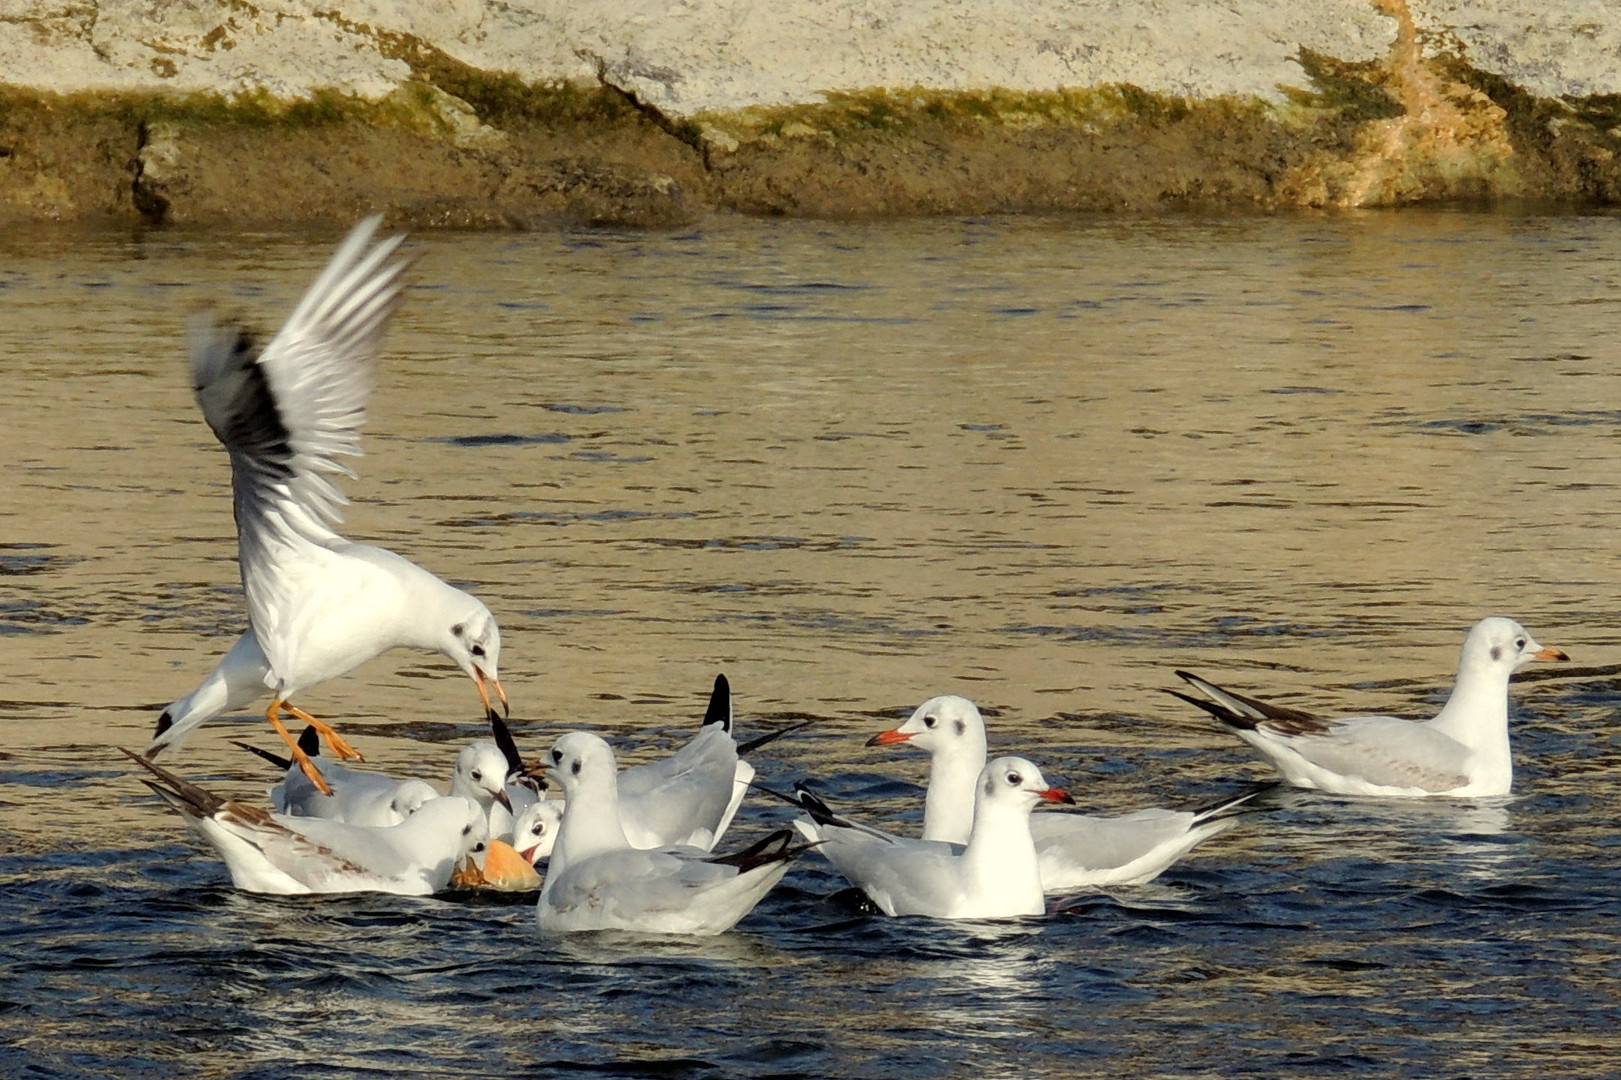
x=948, y=725
x=450, y=816
x=1013, y=783
x=535, y=830
x=481, y=774
x=471, y=638
x=1499, y=644
x=410, y=796
x=580, y=758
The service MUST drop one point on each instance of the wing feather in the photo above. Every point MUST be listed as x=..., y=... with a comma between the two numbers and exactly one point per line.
x=289, y=411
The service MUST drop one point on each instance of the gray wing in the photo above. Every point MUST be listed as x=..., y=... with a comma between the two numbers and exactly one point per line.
x=684, y=798
x=635, y=884
x=901, y=875
x=1387, y=751
x=288, y=411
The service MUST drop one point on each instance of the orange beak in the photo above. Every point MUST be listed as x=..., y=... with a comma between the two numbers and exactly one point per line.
x=485, y=684
x=889, y=738
x=1550, y=653
x=1053, y=794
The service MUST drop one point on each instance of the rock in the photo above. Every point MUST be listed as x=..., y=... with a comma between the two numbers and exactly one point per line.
x=481, y=114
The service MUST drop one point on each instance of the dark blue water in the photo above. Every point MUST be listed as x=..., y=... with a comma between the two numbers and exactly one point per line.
x=1041, y=464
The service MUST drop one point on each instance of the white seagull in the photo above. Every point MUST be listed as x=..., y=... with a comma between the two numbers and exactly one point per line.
x=1462, y=751
x=534, y=831
x=995, y=875
x=598, y=880
x=318, y=605
x=362, y=797
x=688, y=798
x=1076, y=851
x=286, y=855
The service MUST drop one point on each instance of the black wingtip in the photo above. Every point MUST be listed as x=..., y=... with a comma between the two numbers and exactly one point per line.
x=772, y=736
x=1234, y=805
x=720, y=705
x=275, y=759
x=775, y=848
x=1220, y=712
x=309, y=741
x=165, y=722
x=504, y=739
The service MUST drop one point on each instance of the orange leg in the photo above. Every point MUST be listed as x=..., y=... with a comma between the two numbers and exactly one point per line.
x=334, y=742
x=273, y=714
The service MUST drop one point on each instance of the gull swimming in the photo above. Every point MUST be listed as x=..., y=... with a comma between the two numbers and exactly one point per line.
x=1462, y=751
x=995, y=875
x=598, y=880
x=363, y=797
x=285, y=855
x=1076, y=851
x=688, y=798
x=318, y=605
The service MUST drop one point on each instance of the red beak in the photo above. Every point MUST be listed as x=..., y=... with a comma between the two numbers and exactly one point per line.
x=1053, y=794
x=888, y=738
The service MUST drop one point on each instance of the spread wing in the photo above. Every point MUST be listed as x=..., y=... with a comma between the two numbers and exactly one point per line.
x=288, y=411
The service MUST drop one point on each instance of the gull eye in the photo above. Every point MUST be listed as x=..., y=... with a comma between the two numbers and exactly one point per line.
x=930, y=721
x=557, y=756
x=478, y=651
x=477, y=775
x=1519, y=643
x=479, y=846
x=1014, y=779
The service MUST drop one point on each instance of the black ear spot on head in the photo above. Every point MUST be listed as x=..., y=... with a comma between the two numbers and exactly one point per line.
x=962, y=728
x=457, y=629
x=990, y=785
x=1497, y=652
x=576, y=769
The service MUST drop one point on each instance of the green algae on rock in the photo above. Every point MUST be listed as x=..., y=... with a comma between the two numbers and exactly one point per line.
x=460, y=147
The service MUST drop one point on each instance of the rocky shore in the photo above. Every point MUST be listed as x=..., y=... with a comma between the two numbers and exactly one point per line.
x=478, y=114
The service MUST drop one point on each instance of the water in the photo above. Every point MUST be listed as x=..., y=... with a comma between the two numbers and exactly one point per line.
x=1039, y=463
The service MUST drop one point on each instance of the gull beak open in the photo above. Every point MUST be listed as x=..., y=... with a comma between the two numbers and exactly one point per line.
x=1053, y=794
x=1548, y=652
x=890, y=738
x=485, y=684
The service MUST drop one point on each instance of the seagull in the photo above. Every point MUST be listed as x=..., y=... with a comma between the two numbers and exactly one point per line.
x=359, y=797
x=688, y=798
x=1076, y=851
x=598, y=881
x=691, y=796
x=1463, y=751
x=534, y=831
x=996, y=875
x=285, y=855
x=318, y=605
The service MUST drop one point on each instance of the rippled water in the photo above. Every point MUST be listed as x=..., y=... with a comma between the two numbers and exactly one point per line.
x=1039, y=463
